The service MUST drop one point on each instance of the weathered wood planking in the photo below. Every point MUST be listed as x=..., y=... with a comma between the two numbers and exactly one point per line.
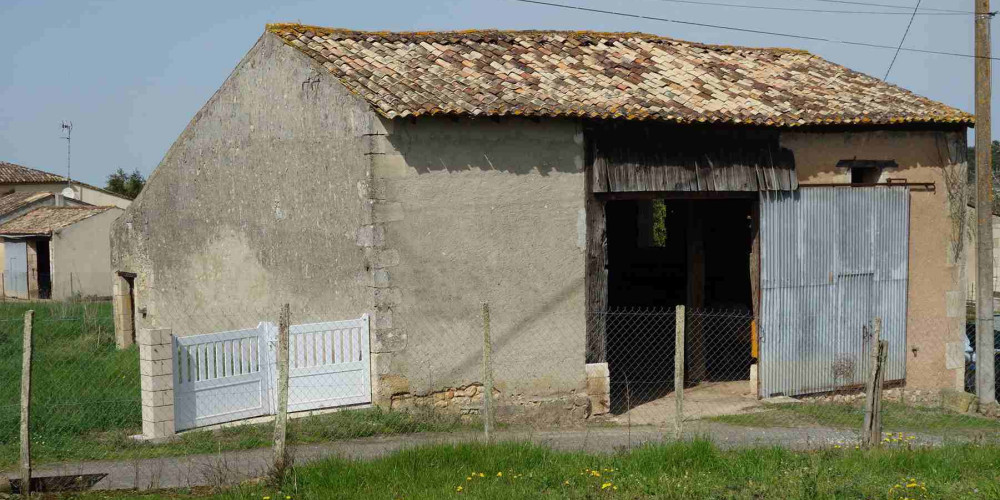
x=659, y=157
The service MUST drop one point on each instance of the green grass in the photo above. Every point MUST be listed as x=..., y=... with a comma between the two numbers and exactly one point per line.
x=86, y=398
x=895, y=417
x=81, y=384
x=683, y=470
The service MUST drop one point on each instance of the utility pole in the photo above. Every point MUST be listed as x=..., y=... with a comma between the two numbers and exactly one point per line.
x=68, y=127
x=984, y=210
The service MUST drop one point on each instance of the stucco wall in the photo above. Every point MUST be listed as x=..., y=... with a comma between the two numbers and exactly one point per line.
x=483, y=211
x=255, y=204
x=80, y=257
x=937, y=287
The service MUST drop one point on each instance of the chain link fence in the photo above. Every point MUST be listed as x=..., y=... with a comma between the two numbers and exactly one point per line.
x=193, y=401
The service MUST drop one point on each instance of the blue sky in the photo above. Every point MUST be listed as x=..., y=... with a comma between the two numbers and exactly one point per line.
x=131, y=74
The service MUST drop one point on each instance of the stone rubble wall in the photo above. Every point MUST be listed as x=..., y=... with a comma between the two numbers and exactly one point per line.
x=467, y=401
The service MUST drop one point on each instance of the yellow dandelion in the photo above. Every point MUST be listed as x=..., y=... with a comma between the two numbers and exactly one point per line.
x=468, y=478
x=482, y=475
x=499, y=474
x=267, y=498
x=836, y=446
x=459, y=489
x=614, y=487
x=606, y=486
x=566, y=481
x=595, y=473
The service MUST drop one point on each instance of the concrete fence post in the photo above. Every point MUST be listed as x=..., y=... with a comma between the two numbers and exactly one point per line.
x=156, y=375
x=679, y=371
x=487, y=374
x=281, y=419
x=29, y=317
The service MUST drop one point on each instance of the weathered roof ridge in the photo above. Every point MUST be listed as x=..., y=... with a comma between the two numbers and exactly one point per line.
x=44, y=220
x=585, y=74
x=499, y=34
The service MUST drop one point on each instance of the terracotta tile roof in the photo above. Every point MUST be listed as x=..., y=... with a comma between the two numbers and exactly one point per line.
x=12, y=173
x=16, y=200
x=604, y=75
x=43, y=220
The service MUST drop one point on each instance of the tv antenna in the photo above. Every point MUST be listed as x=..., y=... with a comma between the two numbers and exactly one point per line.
x=68, y=127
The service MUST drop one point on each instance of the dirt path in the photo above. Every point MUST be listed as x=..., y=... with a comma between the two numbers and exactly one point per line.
x=231, y=467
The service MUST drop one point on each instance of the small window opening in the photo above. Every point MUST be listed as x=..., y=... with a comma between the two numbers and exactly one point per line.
x=865, y=175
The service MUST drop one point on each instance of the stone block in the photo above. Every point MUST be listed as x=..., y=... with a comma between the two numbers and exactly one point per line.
x=154, y=352
x=388, y=340
x=380, y=259
x=599, y=388
x=370, y=236
x=387, y=297
x=154, y=336
x=156, y=382
x=958, y=401
x=157, y=413
x=157, y=398
x=161, y=367
x=164, y=429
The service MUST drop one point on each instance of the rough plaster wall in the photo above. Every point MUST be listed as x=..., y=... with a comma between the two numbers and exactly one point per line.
x=937, y=283
x=84, y=250
x=481, y=210
x=256, y=203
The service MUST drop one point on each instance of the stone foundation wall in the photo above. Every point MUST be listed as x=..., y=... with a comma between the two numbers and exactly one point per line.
x=467, y=401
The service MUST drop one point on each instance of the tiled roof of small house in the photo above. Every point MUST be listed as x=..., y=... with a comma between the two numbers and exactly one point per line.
x=19, y=199
x=12, y=173
x=604, y=75
x=44, y=220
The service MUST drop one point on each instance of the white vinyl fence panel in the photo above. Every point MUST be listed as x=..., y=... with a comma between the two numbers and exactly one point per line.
x=229, y=376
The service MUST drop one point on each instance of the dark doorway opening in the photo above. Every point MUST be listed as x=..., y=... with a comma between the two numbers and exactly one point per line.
x=44, y=269
x=130, y=283
x=663, y=252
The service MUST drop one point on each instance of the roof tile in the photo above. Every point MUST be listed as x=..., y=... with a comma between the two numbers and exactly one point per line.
x=602, y=75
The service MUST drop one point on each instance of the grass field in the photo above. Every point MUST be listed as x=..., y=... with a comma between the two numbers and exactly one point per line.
x=895, y=417
x=684, y=470
x=86, y=398
x=81, y=384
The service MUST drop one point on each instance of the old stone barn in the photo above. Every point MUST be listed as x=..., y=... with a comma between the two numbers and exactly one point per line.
x=559, y=177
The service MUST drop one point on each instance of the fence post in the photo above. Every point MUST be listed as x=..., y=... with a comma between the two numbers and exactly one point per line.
x=26, y=405
x=487, y=374
x=871, y=434
x=679, y=370
x=281, y=420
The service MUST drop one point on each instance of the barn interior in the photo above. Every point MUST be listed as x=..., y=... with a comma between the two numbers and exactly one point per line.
x=672, y=219
x=662, y=252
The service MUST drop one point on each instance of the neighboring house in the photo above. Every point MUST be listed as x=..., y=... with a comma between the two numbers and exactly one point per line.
x=414, y=176
x=58, y=252
x=23, y=191
x=21, y=179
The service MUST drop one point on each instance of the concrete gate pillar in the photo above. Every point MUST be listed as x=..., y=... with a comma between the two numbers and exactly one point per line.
x=156, y=370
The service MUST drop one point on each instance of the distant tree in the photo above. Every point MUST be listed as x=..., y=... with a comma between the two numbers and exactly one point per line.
x=125, y=184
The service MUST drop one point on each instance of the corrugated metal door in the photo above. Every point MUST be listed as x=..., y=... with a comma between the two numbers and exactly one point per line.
x=832, y=259
x=15, y=269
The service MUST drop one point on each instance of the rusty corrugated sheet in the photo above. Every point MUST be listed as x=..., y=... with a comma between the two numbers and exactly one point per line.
x=832, y=259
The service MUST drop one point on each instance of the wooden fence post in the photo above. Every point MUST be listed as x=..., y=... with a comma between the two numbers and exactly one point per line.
x=487, y=374
x=281, y=420
x=679, y=370
x=29, y=317
x=871, y=434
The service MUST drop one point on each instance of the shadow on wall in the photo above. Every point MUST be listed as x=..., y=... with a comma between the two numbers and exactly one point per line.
x=513, y=145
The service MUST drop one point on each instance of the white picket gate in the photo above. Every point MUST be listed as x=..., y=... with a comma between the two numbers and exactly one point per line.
x=228, y=376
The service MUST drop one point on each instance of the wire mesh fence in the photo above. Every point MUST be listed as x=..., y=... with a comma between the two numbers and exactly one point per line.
x=196, y=394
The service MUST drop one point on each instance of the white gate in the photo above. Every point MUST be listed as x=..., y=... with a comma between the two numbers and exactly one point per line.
x=228, y=376
x=328, y=365
x=221, y=377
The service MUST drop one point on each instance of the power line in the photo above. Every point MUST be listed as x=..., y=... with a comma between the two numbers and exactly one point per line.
x=867, y=4
x=901, y=40
x=814, y=11
x=747, y=30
